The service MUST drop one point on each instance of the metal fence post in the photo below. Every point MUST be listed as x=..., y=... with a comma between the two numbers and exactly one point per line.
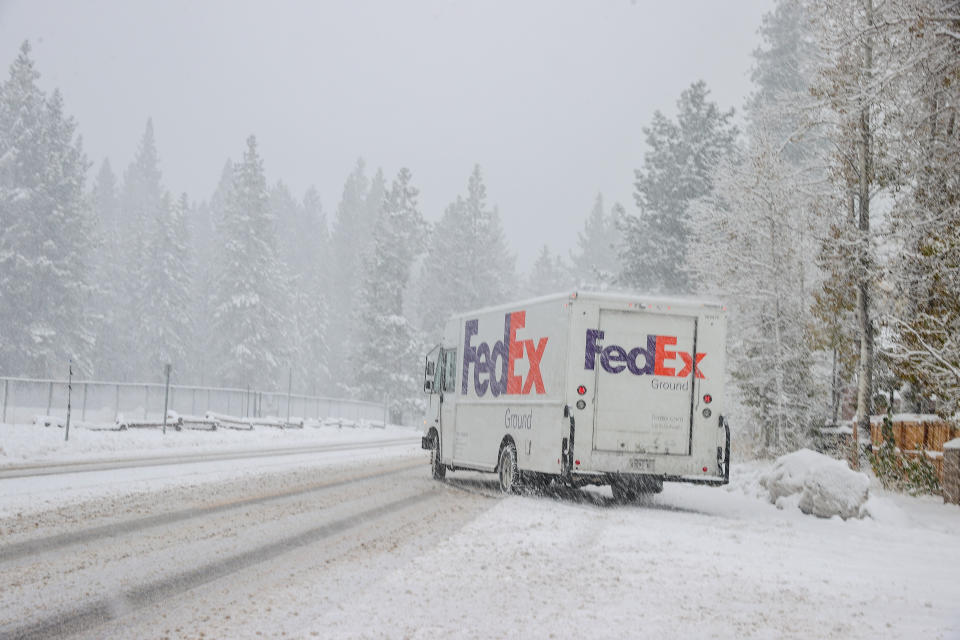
x=83, y=407
x=50, y=397
x=289, y=388
x=6, y=390
x=166, y=395
x=66, y=436
x=116, y=405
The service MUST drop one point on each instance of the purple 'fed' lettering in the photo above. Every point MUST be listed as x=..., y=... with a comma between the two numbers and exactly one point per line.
x=615, y=358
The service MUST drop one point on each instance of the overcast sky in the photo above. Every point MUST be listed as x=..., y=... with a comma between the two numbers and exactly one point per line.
x=549, y=97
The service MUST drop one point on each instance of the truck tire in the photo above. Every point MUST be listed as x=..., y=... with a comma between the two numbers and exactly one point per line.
x=650, y=484
x=623, y=492
x=630, y=490
x=437, y=469
x=507, y=470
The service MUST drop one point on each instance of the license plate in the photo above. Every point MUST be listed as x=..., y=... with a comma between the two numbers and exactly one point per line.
x=641, y=464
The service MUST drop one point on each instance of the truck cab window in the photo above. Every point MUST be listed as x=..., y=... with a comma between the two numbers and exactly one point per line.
x=449, y=374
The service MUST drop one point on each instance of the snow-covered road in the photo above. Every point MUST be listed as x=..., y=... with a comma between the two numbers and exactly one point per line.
x=365, y=544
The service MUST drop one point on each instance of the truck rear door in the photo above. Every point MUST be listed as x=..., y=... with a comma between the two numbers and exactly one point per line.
x=645, y=382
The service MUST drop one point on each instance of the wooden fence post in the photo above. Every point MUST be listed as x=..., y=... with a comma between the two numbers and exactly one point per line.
x=951, y=472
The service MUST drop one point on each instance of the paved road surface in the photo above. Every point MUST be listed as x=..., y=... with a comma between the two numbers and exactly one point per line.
x=101, y=574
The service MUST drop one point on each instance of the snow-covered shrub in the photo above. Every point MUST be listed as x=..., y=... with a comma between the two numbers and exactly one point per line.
x=818, y=484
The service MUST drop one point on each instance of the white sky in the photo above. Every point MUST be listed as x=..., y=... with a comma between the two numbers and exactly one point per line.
x=548, y=96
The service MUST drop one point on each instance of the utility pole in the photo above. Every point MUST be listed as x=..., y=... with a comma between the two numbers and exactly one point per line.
x=66, y=437
x=166, y=394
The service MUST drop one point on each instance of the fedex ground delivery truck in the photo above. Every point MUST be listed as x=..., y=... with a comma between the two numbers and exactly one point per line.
x=582, y=388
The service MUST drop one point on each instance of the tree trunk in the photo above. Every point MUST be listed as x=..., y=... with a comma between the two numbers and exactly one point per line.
x=865, y=367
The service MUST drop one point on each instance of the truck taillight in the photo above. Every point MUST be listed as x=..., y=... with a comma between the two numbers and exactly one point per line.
x=708, y=398
x=581, y=390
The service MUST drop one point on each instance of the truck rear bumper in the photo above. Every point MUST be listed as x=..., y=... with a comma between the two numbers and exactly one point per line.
x=615, y=466
x=716, y=482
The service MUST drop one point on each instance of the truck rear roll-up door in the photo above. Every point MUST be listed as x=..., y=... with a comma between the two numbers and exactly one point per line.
x=645, y=383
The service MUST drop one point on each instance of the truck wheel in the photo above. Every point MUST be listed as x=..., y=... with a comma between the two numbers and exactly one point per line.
x=650, y=484
x=623, y=492
x=437, y=469
x=508, y=470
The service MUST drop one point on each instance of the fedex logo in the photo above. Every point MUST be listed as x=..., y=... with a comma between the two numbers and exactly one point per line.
x=614, y=358
x=493, y=367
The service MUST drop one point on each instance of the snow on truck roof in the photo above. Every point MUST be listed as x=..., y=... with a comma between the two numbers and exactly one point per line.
x=685, y=304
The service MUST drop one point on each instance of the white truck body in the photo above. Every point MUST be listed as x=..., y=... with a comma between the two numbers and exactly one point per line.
x=588, y=388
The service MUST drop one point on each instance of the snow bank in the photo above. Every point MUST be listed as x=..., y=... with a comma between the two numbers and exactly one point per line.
x=23, y=444
x=817, y=485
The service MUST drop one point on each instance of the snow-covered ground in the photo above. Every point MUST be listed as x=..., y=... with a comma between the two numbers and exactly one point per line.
x=29, y=443
x=205, y=457
x=362, y=543
x=691, y=562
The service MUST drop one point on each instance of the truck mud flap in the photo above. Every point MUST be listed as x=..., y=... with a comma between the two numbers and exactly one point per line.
x=726, y=451
x=566, y=446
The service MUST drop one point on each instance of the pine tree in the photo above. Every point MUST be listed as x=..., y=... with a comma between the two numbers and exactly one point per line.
x=46, y=231
x=388, y=358
x=108, y=272
x=853, y=90
x=676, y=171
x=204, y=231
x=925, y=320
x=783, y=71
x=250, y=323
x=318, y=242
x=595, y=263
x=755, y=234
x=314, y=292
x=350, y=239
x=547, y=275
x=293, y=239
x=468, y=264
x=167, y=323
x=106, y=203
x=141, y=203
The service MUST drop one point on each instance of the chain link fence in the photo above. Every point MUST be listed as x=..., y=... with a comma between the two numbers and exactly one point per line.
x=22, y=399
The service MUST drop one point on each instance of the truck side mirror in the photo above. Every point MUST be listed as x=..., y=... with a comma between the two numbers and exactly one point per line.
x=428, y=386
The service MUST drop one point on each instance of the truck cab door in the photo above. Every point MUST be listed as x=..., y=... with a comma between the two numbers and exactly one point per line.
x=432, y=375
x=448, y=401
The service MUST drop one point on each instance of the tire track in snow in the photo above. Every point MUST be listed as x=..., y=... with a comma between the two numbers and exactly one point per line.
x=33, y=547
x=102, y=611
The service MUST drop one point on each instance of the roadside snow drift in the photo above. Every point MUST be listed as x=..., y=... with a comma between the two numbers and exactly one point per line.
x=817, y=485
